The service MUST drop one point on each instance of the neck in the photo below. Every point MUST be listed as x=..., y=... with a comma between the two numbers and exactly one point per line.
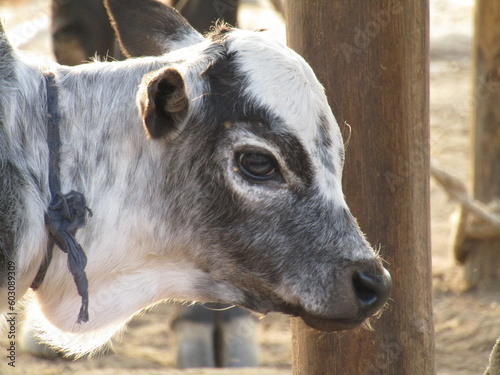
x=108, y=158
x=23, y=156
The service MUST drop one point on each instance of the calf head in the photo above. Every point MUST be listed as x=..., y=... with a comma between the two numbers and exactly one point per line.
x=253, y=172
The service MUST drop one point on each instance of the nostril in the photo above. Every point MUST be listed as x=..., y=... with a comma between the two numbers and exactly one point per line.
x=371, y=290
x=365, y=288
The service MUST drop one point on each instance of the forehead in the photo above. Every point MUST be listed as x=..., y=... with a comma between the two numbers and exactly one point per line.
x=278, y=78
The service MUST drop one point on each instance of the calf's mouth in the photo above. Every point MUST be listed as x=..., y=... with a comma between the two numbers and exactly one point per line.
x=362, y=296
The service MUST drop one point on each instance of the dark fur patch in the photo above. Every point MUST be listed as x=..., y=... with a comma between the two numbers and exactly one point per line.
x=324, y=143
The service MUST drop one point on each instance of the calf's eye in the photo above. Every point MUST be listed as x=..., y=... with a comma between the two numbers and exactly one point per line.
x=257, y=166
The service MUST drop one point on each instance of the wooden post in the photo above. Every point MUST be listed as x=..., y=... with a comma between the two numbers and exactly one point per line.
x=372, y=57
x=482, y=255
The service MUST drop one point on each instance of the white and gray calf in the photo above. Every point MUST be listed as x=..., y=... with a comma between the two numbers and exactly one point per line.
x=232, y=194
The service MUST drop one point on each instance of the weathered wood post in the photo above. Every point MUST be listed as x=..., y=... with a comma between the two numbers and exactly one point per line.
x=372, y=57
x=480, y=249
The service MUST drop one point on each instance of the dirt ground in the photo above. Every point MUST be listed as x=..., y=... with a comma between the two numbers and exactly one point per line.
x=466, y=322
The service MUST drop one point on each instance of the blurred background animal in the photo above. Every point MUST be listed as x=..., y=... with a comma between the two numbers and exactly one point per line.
x=81, y=29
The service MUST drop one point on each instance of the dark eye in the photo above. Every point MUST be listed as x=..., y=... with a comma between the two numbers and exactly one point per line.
x=257, y=166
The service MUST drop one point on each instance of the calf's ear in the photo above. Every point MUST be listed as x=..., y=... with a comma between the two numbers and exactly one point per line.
x=149, y=28
x=7, y=62
x=163, y=103
x=6, y=51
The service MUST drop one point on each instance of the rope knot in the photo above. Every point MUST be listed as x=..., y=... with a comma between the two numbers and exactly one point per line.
x=65, y=215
